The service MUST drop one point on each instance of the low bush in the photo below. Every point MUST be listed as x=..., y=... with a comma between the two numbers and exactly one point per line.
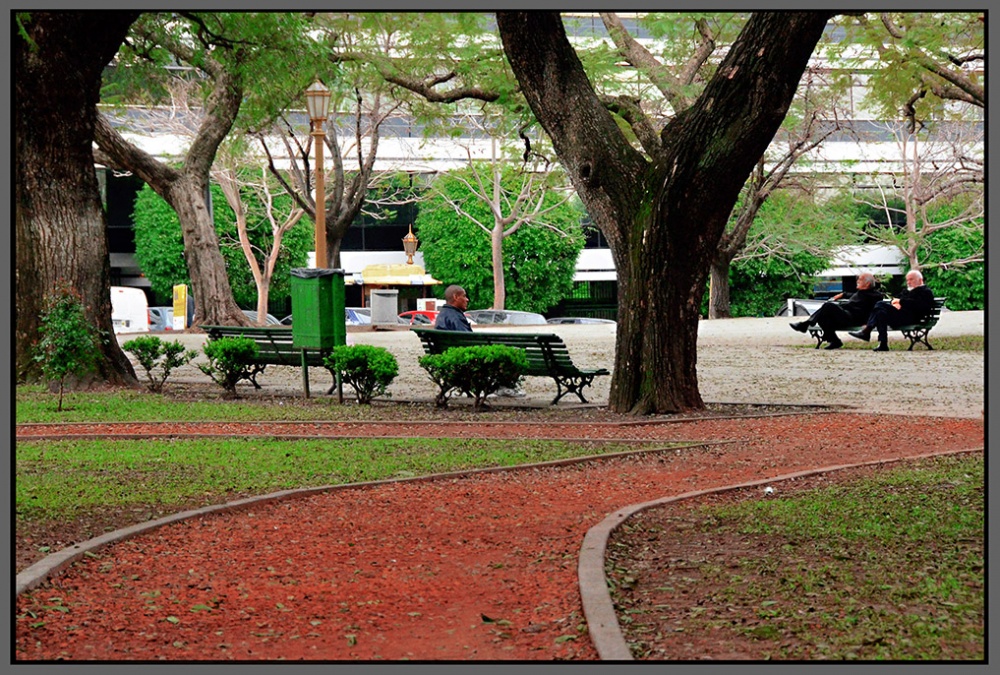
x=475, y=371
x=230, y=359
x=368, y=369
x=153, y=353
x=70, y=345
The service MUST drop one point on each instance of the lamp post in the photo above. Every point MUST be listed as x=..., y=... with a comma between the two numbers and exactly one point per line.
x=318, y=104
x=410, y=246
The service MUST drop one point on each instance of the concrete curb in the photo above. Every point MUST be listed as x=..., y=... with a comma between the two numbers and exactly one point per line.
x=598, y=608
x=53, y=563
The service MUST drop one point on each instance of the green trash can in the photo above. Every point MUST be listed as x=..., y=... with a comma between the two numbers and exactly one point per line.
x=318, y=320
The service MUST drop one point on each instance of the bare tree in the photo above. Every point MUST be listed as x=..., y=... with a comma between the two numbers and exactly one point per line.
x=515, y=197
x=945, y=167
x=262, y=260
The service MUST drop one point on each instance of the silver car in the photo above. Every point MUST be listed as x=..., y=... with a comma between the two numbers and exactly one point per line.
x=506, y=316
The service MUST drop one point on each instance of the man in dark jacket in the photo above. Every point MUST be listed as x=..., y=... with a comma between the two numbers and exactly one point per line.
x=912, y=305
x=452, y=314
x=833, y=316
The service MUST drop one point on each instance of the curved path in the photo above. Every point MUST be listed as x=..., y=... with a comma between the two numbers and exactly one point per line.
x=481, y=565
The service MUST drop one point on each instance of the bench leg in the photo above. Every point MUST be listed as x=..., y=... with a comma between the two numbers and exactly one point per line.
x=305, y=373
x=571, y=385
x=915, y=336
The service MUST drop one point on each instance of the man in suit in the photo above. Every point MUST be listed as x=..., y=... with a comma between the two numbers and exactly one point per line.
x=913, y=304
x=833, y=316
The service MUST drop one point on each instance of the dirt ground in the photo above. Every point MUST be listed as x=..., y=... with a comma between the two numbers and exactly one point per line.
x=742, y=360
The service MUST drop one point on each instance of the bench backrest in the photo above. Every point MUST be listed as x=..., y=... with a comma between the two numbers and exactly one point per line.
x=535, y=346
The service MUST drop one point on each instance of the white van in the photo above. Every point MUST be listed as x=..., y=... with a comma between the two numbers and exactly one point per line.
x=129, y=310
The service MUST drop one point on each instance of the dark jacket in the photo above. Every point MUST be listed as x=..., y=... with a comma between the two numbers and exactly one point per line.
x=860, y=305
x=452, y=318
x=915, y=304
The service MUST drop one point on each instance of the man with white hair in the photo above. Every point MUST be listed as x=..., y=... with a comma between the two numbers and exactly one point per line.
x=833, y=316
x=913, y=304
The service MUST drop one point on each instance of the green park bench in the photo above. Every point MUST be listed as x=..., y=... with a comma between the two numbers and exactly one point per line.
x=547, y=355
x=274, y=345
x=915, y=332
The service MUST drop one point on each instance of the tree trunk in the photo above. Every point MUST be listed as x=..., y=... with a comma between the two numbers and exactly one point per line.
x=213, y=295
x=662, y=215
x=60, y=224
x=186, y=192
x=718, y=290
x=499, y=283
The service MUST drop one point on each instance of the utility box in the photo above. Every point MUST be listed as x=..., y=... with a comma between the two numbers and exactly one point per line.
x=385, y=307
x=318, y=319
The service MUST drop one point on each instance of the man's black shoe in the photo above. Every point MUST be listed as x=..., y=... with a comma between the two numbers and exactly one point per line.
x=881, y=348
x=860, y=334
x=834, y=345
x=801, y=326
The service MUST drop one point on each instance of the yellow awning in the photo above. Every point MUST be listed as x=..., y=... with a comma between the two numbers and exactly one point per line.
x=398, y=274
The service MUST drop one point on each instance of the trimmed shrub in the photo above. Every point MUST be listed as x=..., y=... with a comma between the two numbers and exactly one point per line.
x=230, y=359
x=151, y=352
x=368, y=369
x=476, y=371
x=70, y=345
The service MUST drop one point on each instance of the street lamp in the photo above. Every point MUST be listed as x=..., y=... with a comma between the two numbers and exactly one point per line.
x=318, y=104
x=410, y=246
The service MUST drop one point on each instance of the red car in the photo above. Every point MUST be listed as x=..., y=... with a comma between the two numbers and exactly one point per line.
x=419, y=317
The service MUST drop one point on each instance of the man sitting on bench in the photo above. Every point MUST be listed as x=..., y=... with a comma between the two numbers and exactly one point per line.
x=912, y=305
x=833, y=316
x=452, y=314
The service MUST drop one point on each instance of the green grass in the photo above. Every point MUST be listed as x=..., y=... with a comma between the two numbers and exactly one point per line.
x=36, y=404
x=63, y=479
x=886, y=568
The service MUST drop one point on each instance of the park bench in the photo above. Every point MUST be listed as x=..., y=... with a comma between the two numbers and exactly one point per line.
x=915, y=332
x=547, y=355
x=274, y=345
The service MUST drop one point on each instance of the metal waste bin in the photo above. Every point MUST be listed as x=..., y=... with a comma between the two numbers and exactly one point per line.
x=318, y=320
x=385, y=307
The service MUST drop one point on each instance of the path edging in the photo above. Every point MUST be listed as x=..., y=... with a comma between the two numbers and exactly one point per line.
x=598, y=608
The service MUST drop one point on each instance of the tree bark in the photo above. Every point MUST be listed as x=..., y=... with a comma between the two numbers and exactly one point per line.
x=60, y=223
x=718, y=289
x=662, y=215
x=185, y=190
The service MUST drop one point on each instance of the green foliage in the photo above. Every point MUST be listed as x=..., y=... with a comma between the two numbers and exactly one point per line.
x=159, y=246
x=152, y=353
x=230, y=359
x=70, y=344
x=539, y=262
x=759, y=286
x=965, y=284
x=477, y=371
x=368, y=369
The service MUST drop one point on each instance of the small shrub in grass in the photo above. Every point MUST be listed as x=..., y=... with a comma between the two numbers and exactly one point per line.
x=368, y=369
x=230, y=359
x=477, y=371
x=70, y=345
x=151, y=352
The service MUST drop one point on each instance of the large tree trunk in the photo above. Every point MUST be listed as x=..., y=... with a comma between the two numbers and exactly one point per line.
x=186, y=191
x=60, y=224
x=718, y=289
x=662, y=216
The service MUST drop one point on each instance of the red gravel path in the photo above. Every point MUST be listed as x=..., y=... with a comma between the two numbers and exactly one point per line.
x=478, y=567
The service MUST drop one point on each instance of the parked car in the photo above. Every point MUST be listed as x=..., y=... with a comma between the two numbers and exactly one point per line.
x=578, y=319
x=419, y=317
x=287, y=321
x=129, y=310
x=506, y=316
x=270, y=320
x=161, y=318
x=358, y=316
